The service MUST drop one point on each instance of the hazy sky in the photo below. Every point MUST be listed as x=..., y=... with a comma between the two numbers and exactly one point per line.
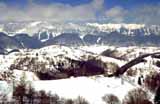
x=114, y=11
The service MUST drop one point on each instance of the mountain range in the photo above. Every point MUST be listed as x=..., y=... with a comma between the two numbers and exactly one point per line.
x=15, y=35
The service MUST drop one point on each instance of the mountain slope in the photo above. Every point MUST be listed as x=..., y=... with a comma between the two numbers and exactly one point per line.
x=27, y=41
x=7, y=42
x=65, y=39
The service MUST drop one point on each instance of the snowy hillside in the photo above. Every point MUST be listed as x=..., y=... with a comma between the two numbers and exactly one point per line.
x=93, y=89
x=86, y=71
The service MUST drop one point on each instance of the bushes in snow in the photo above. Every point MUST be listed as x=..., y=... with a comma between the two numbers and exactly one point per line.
x=24, y=94
x=19, y=90
x=30, y=96
x=69, y=101
x=6, y=75
x=19, y=93
x=137, y=96
x=80, y=100
x=59, y=67
x=111, y=68
x=157, y=63
x=157, y=96
x=131, y=72
x=111, y=99
x=29, y=64
x=152, y=81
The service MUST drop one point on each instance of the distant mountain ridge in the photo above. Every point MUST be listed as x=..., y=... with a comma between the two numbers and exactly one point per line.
x=33, y=27
x=39, y=34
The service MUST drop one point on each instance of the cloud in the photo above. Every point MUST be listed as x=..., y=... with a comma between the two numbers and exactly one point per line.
x=56, y=11
x=146, y=14
x=97, y=4
x=116, y=14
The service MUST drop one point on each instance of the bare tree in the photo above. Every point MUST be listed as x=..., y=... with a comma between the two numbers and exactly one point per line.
x=152, y=81
x=81, y=100
x=111, y=99
x=30, y=94
x=137, y=96
x=157, y=96
x=20, y=90
x=19, y=93
x=44, y=98
x=69, y=101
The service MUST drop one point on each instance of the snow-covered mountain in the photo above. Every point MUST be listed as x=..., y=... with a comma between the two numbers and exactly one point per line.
x=37, y=34
x=34, y=27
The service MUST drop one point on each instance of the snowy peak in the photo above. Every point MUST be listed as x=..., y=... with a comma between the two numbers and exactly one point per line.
x=42, y=33
x=116, y=26
x=56, y=29
x=126, y=29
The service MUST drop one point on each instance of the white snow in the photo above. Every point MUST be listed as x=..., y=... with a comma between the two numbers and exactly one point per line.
x=92, y=89
x=6, y=89
x=29, y=76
